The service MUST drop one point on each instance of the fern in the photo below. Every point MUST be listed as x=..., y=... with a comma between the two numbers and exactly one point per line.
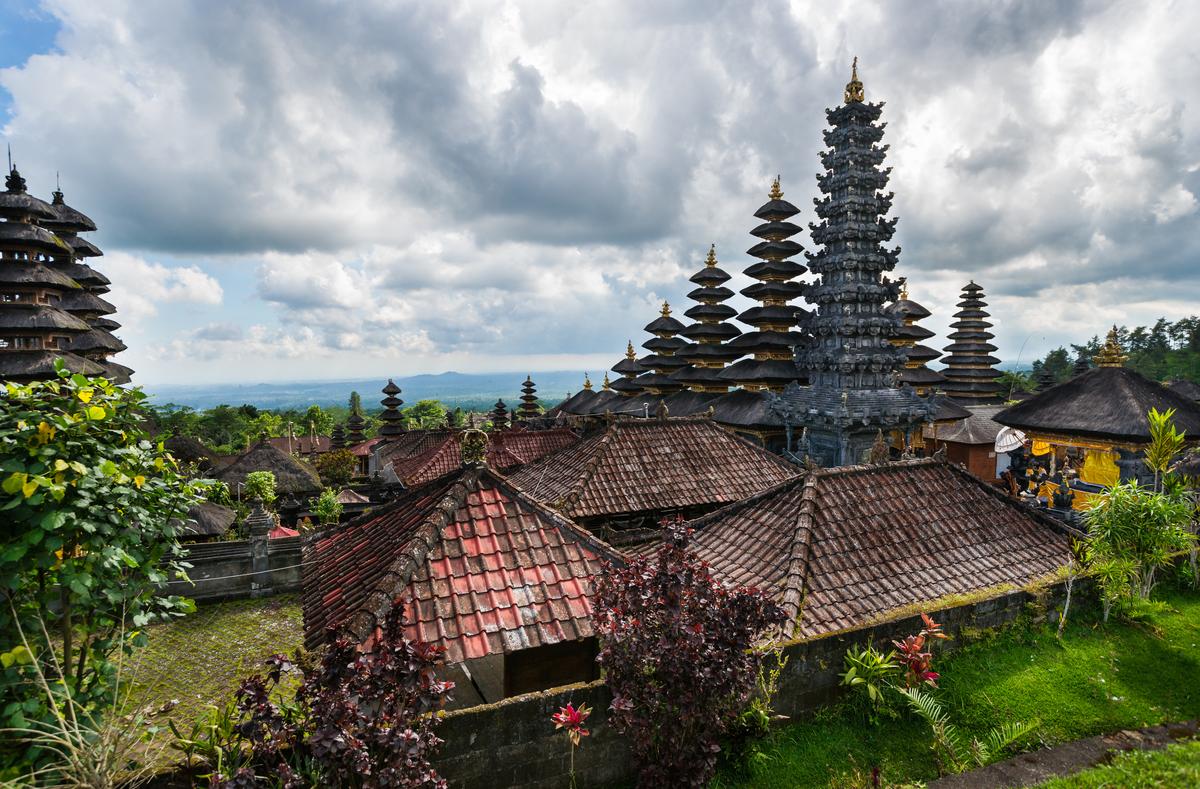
x=948, y=742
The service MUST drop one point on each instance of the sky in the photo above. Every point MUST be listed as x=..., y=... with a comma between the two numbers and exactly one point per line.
x=304, y=189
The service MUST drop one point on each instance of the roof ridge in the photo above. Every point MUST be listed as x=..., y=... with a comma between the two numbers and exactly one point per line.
x=733, y=506
x=399, y=572
x=560, y=521
x=796, y=580
x=994, y=492
x=589, y=468
x=862, y=468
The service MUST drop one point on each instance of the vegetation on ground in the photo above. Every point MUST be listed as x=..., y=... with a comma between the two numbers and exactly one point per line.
x=1175, y=765
x=1098, y=678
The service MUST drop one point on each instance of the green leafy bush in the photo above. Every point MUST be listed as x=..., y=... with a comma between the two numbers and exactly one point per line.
x=326, y=507
x=260, y=485
x=336, y=467
x=869, y=673
x=89, y=531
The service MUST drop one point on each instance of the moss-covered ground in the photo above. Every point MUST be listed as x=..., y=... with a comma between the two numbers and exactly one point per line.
x=198, y=661
x=1098, y=679
x=1174, y=766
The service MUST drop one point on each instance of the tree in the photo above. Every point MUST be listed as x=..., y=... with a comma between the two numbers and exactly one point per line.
x=260, y=485
x=320, y=421
x=675, y=645
x=326, y=507
x=336, y=467
x=426, y=414
x=89, y=530
x=1013, y=381
x=1058, y=362
x=1132, y=532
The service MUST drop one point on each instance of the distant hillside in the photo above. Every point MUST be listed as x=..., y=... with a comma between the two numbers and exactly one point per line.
x=453, y=389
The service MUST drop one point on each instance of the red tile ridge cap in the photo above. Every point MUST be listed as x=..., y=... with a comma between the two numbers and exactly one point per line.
x=796, y=581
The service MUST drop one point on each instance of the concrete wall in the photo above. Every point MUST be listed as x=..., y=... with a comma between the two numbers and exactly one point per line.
x=514, y=743
x=225, y=571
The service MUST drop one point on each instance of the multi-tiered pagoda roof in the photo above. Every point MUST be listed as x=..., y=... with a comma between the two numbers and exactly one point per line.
x=770, y=346
x=45, y=314
x=970, y=372
x=662, y=361
x=909, y=336
x=711, y=331
x=849, y=361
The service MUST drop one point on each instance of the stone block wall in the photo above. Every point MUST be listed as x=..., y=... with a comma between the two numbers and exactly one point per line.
x=225, y=570
x=513, y=743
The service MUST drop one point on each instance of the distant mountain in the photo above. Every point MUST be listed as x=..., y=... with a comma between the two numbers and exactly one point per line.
x=453, y=389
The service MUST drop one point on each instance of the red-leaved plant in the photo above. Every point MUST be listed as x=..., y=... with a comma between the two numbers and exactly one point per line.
x=675, y=647
x=918, y=663
x=363, y=718
x=571, y=719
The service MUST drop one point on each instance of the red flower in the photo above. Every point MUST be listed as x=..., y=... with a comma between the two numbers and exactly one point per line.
x=572, y=720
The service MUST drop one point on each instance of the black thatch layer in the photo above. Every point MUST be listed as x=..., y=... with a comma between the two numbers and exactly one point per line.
x=16, y=235
x=67, y=218
x=85, y=302
x=1189, y=389
x=292, y=477
x=744, y=408
x=688, y=403
x=1109, y=403
x=40, y=317
x=207, y=520
x=37, y=365
x=13, y=273
x=96, y=340
x=187, y=449
x=84, y=275
x=82, y=247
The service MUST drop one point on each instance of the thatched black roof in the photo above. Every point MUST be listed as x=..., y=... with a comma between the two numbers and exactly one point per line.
x=84, y=275
x=39, y=365
x=292, y=477
x=83, y=301
x=978, y=428
x=66, y=217
x=207, y=520
x=744, y=408
x=96, y=339
x=20, y=234
x=574, y=403
x=945, y=409
x=82, y=247
x=1189, y=389
x=13, y=273
x=1109, y=403
x=39, y=317
x=16, y=202
x=117, y=373
x=188, y=449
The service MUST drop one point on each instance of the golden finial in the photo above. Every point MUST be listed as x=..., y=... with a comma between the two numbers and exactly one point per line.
x=629, y=352
x=1111, y=353
x=711, y=260
x=666, y=310
x=854, y=88
x=776, y=193
x=606, y=384
x=904, y=289
x=587, y=382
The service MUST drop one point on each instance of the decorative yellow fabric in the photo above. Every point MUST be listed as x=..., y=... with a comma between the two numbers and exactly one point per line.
x=1040, y=447
x=1100, y=468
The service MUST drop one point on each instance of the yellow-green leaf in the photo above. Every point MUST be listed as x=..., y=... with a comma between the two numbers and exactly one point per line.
x=29, y=488
x=60, y=465
x=139, y=480
x=95, y=412
x=85, y=395
x=14, y=482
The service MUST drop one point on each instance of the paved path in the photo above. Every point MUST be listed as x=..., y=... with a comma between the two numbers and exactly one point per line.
x=1031, y=769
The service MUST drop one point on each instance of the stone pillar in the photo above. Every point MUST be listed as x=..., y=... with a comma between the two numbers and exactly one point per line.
x=259, y=523
x=1132, y=464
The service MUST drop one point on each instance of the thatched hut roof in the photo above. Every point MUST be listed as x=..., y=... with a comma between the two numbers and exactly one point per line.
x=188, y=449
x=208, y=520
x=1108, y=403
x=292, y=477
x=1189, y=389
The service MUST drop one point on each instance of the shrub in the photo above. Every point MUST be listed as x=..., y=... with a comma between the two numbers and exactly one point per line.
x=676, y=649
x=868, y=674
x=260, y=485
x=361, y=718
x=326, y=507
x=91, y=513
x=336, y=467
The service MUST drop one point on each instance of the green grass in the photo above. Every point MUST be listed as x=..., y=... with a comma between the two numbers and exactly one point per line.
x=1176, y=765
x=1098, y=679
x=199, y=661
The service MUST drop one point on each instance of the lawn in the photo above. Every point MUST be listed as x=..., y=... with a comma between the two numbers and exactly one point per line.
x=199, y=660
x=1100, y=678
x=1176, y=765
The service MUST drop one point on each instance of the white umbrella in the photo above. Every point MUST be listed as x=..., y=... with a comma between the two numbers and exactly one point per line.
x=1009, y=439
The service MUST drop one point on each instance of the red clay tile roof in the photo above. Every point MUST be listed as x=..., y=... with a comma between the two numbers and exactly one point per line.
x=507, y=449
x=364, y=448
x=485, y=568
x=845, y=546
x=640, y=465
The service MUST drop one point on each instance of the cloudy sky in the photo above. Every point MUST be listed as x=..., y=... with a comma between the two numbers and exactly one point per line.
x=306, y=189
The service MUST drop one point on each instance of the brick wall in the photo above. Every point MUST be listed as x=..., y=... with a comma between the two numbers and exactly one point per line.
x=513, y=743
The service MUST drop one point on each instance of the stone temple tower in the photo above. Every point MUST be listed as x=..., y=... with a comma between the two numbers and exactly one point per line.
x=850, y=362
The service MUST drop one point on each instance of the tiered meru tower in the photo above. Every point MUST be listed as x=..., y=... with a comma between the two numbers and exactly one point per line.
x=850, y=361
x=708, y=352
x=662, y=361
x=49, y=303
x=909, y=337
x=971, y=378
x=775, y=318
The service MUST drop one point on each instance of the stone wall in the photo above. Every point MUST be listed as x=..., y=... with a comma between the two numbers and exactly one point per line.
x=226, y=570
x=513, y=742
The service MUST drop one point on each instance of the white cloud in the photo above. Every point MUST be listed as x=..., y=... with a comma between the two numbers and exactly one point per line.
x=141, y=288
